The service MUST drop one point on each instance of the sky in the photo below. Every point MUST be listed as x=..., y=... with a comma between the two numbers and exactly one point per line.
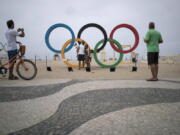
x=36, y=16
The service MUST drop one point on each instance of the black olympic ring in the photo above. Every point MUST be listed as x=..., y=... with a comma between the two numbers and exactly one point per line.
x=98, y=27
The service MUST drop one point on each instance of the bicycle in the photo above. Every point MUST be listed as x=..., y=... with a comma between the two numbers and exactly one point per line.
x=25, y=68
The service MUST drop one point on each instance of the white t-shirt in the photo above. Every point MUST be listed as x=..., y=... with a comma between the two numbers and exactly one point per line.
x=81, y=49
x=11, y=39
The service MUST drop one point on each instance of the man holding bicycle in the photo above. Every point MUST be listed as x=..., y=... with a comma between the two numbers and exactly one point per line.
x=12, y=47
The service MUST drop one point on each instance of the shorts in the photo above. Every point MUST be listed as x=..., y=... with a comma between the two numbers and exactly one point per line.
x=134, y=60
x=87, y=59
x=81, y=57
x=12, y=54
x=153, y=58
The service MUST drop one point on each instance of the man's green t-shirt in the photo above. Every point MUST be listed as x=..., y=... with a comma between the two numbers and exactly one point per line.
x=153, y=37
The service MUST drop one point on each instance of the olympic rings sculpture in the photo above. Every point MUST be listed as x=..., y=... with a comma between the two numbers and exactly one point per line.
x=114, y=44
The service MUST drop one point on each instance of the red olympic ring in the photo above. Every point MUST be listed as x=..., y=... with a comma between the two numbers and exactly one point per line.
x=134, y=32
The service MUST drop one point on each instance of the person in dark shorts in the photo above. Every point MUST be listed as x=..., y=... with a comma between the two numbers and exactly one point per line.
x=153, y=39
x=87, y=57
x=12, y=48
x=81, y=54
x=134, y=58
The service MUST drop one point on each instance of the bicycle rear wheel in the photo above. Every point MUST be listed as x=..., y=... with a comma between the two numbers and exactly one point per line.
x=26, y=69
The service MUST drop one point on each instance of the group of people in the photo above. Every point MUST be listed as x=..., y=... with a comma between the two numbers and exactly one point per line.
x=153, y=38
x=83, y=55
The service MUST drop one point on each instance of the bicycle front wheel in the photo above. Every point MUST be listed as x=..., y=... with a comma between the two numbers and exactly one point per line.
x=26, y=69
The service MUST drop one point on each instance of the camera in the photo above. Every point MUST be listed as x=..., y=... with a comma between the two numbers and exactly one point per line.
x=20, y=29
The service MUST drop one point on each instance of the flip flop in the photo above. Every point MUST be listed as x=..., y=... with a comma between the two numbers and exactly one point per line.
x=13, y=78
x=152, y=80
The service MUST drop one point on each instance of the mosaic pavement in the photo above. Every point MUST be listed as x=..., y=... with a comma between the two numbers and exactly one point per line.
x=90, y=107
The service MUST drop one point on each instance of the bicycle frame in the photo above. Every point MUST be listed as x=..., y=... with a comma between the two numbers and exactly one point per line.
x=13, y=60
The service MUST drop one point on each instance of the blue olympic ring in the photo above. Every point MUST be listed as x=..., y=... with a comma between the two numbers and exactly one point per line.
x=49, y=32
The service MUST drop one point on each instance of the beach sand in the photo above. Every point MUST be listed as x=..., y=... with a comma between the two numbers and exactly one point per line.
x=123, y=71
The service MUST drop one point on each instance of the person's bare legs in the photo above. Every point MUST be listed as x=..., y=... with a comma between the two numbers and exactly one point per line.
x=156, y=71
x=79, y=65
x=88, y=65
x=83, y=64
x=11, y=67
x=152, y=70
x=12, y=61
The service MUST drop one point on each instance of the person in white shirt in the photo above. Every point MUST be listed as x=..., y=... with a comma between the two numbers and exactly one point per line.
x=81, y=54
x=12, y=47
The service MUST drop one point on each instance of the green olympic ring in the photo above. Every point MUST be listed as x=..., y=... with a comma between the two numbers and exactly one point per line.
x=100, y=63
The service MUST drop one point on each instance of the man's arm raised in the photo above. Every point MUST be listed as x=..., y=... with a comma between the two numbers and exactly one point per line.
x=22, y=34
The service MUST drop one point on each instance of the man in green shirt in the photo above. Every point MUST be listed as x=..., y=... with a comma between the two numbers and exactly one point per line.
x=153, y=39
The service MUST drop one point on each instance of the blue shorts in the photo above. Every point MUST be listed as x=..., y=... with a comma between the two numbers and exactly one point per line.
x=12, y=54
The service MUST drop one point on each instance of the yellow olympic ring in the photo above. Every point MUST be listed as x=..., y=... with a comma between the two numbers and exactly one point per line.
x=63, y=48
